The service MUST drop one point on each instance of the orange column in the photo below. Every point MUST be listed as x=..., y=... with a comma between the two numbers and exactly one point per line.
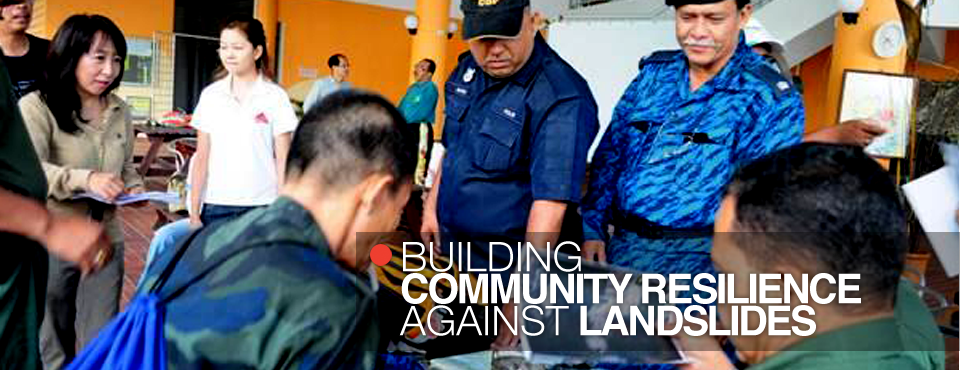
x=853, y=49
x=431, y=38
x=266, y=12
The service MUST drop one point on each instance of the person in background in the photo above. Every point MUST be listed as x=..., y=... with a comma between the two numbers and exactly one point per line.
x=244, y=122
x=84, y=139
x=25, y=229
x=23, y=53
x=812, y=209
x=287, y=285
x=337, y=80
x=859, y=132
x=418, y=107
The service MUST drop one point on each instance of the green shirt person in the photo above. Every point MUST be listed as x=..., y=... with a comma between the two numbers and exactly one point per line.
x=285, y=286
x=907, y=340
x=420, y=102
x=812, y=209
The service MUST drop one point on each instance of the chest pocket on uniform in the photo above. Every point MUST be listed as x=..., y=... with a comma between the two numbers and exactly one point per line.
x=497, y=147
x=704, y=160
x=456, y=104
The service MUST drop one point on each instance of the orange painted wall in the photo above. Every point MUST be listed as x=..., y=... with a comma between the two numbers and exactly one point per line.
x=134, y=17
x=815, y=73
x=373, y=37
x=933, y=72
x=951, y=50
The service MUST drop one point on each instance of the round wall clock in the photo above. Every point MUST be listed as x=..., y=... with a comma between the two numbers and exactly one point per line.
x=888, y=39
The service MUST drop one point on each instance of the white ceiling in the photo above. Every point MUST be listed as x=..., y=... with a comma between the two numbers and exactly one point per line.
x=553, y=9
x=550, y=8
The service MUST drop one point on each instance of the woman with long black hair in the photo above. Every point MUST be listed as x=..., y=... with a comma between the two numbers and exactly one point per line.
x=83, y=135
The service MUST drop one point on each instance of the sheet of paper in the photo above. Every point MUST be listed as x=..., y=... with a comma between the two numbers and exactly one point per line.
x=156, y=196
x=934, y=200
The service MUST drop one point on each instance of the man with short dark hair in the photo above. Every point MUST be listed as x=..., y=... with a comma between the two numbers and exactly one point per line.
x=812, y=209
x=519, y=123
x=337, y=80
x=23, y=53
x=285, y=286
x=685, y=123
x=418, y=107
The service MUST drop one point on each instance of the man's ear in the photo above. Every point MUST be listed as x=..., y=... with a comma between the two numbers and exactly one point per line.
x=745, y=15
x=376, y=190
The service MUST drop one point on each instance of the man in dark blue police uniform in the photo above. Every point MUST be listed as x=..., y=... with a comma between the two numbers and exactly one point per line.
x=687, y=121
x=519, y=122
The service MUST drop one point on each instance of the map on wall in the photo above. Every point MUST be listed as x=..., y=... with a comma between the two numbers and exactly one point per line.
x=886, y=98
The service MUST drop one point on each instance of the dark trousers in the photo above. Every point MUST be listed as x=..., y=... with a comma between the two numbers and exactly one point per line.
x=78, y=308
x=213, y=213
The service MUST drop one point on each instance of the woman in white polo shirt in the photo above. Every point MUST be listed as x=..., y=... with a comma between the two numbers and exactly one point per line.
x=244, y=125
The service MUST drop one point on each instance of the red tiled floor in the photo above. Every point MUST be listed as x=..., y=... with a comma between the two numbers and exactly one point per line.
x=137, y=232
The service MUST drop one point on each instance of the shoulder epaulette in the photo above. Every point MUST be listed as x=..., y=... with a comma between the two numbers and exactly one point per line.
x=463, y=55
x=661, y=56
x=771, y=77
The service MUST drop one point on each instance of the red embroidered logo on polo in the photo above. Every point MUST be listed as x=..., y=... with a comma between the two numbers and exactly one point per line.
x=261, y=118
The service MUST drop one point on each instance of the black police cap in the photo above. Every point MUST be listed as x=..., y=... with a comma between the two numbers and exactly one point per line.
x=492, y=18
x=679, y=3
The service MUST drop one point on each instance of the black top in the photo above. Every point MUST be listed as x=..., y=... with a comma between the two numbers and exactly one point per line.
x=26, y=71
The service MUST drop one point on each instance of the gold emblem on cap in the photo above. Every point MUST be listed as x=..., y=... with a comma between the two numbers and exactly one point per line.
x=487, y=2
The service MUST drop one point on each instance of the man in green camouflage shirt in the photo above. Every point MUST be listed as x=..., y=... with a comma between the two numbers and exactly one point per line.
x=813, y=209
x=285, y=286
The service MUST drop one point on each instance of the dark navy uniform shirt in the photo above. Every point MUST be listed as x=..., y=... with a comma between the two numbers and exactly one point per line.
x=509, y=142
x=669, y=152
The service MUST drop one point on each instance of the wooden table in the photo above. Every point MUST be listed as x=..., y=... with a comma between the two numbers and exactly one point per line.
x=157, y=135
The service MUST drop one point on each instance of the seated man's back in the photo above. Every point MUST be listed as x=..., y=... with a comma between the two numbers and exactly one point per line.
x=266, y=294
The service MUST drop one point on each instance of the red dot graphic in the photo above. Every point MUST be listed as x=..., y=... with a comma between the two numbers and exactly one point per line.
x=380, y=254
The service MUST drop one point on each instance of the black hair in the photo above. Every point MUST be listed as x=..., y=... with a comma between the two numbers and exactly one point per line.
x=431, y=65
x=253, y=29
x=334, y=60
x=350, y=135
x=825, y=209
x=73, y=39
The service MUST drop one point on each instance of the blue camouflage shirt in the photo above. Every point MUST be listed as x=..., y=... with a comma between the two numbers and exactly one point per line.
x=669, y=152
x=264, y=292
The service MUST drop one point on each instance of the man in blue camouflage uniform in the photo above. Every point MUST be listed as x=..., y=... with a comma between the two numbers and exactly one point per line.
x=284, y=286
x=518, y=126
x=687, y=121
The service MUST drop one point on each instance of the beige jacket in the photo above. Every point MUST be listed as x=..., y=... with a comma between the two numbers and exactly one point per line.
x=68, y=159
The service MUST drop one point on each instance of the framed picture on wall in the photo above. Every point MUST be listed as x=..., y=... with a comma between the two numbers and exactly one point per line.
x=139, y=63
x=889, y=99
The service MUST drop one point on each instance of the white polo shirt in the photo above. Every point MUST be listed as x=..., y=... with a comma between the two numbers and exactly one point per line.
x=241, y=168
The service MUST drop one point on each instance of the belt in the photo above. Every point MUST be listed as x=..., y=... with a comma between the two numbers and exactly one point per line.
x=651, y=230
